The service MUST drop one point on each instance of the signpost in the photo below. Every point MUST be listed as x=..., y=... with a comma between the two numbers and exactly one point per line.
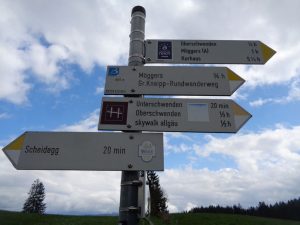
x=163, y=80
x=172, y=114
x=86, y=151
x=132, y=152
x=207, y=52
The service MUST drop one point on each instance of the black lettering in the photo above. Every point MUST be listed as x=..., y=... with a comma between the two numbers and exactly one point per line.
x=141, y=83
x=213, y=105
x=42, y=150
x=107, y=150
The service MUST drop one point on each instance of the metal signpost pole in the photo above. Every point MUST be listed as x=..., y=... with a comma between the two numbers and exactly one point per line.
x=128, y=212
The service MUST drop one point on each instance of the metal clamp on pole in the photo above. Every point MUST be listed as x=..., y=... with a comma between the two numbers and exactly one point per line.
x=137, y=30
x=130, y=209
x=134, y=182
x=133, y=209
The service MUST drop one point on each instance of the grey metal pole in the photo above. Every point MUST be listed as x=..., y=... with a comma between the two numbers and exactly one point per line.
x=128, y=212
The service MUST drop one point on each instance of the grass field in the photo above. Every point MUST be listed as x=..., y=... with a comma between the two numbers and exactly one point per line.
x=222, y=219
x=16, y=218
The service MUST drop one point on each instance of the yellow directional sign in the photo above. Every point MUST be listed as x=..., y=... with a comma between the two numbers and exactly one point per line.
x=86, y=151
x=207, y=52
x=172, y=115
x=171, y=80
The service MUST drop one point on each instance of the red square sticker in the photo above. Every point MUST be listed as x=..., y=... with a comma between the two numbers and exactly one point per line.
x=114, y=113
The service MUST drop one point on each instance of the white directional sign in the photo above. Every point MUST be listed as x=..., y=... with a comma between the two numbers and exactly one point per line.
x=86, y=151
x=207, y=52
x=171, y=114
x=163, y=80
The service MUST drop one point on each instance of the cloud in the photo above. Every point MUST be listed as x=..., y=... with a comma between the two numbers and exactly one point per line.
x=96, y=32
x=266, y=160
x=293, y=95
x=206, y=19
x=277, y=146
x=47, y=65
x=13, y=85
x=99, y=90
x=260, y=102
x=67, y=192
x=266, y=168
x=101, y=189
x=267, y=165
x=294, y=92
x=4, y=116
x=90, y=124
x=173, y=147
x=43, y=44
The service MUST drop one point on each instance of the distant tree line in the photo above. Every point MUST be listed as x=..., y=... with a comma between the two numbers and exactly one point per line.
x=282, y=210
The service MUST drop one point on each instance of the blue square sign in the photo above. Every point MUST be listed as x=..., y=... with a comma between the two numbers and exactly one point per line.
x=164, y=50
x=113, y=71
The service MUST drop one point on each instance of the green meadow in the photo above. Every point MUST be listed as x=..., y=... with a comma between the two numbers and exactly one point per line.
x=17, y=218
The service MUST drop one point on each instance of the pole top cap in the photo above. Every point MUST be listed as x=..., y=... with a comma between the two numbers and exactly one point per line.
x=138, y=9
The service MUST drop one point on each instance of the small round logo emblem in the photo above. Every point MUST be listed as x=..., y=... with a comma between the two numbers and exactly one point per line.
x=147, y=151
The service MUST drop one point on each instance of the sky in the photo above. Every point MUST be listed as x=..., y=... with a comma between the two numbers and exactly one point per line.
x=53, y=58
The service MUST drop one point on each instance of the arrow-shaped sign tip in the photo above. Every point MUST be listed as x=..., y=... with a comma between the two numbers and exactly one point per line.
x=16, y=144
x=241, y=115
x=13, y=150
x=235, y=81
x=267, y=52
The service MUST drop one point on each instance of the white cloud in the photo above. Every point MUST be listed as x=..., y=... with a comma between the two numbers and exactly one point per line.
x=169, y=147
x=260, y=102
x=96, y=32
x=294, y=92
x=79, y=33
x=13, y=85
x=189, y=206
x=267, y=164
x=4, y=116
x=267, y=160
x=81, y=191
x=172, y=208
x=44, y=64
x=66, y=191
x=210, y=19
x=88, y=124
x=293, y=95
x=99, y=90
x=91, y=31
x=267, y=169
